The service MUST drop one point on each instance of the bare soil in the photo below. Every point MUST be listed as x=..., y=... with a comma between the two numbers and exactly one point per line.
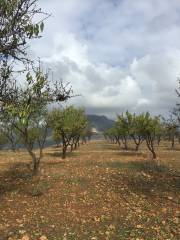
x=99, y=192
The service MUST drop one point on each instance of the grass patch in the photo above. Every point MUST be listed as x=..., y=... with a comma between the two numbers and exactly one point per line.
x=81, y=181
x=149, y=166
x=119, y=165
x=40, y=189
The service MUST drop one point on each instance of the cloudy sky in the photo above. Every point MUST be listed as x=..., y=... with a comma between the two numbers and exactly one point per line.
x=118, y=54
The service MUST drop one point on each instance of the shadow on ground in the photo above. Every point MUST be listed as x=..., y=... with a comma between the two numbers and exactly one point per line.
x=147, y=177
x=59, y=154
x=15, y=178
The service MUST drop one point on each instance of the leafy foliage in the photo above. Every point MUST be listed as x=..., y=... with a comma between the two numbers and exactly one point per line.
x=3, y=139
x=140, y=128
x=25, y=107
x=18, y=25
x=28, y=110
x=69, y=125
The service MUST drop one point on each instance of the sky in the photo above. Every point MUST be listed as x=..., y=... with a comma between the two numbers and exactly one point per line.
x=118, y=55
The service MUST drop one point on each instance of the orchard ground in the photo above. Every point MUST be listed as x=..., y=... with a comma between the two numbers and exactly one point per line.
x=98, y=192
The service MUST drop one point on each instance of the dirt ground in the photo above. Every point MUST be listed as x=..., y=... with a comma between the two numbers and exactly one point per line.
x=100, y=192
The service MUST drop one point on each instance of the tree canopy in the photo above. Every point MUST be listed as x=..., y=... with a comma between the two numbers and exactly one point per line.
x=20, y=21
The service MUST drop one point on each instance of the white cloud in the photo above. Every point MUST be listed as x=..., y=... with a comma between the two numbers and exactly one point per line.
x=118, y=54
x=157, y=77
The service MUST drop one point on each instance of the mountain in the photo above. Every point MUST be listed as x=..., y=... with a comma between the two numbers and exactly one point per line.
x=101, y=123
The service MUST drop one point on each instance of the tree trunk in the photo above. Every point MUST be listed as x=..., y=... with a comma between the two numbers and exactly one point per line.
x=36, y=166
x=150, y=146
x=13, y=146
x=154, y=154
x=64, y=149
x=172, y=142
x=137, y=147
x=125, y=143
x=137, y=142
x=35, y=162
x=119, y=142
x=159, y=140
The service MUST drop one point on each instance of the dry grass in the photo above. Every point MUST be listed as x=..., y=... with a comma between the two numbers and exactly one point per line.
x=98, y=192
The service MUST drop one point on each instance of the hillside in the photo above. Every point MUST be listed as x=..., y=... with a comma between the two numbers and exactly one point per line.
x=101, y=123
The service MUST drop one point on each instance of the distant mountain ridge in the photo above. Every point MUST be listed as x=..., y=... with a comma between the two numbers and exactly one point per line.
x=101, y=123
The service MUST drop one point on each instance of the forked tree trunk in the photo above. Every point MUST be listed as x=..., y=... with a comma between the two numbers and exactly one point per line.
x=154, y=154
x=137, y=142
x=150, y=146
x=72, y=147
x=119, y=142
x=137, y=146
x=124, y=141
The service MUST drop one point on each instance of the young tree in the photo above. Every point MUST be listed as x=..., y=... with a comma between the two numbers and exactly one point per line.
x=123, y=126
x=136, y=129
x=87, y=133
x=69, y=123
x=150, y=129
x=112, y=134
x=176, y=112
x=19, y=23
x=56, y=137
x=171, y=126
x=28, y=108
